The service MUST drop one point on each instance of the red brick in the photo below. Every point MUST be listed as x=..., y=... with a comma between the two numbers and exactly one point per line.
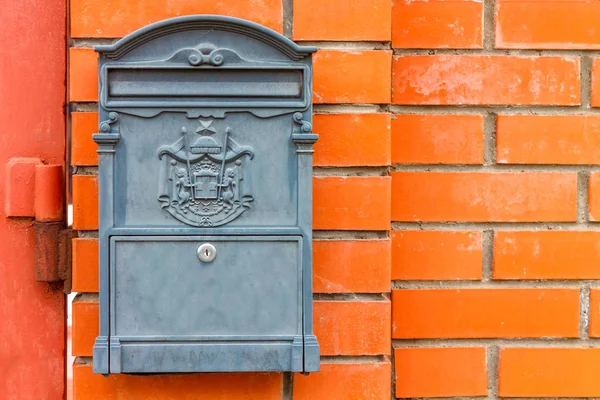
x=83, y=147
x=594, y=196
x=548, y=24
x=549, y=372
x=353, y=328
x=485, y=313
x=437, y=139
x=483, y=197
x=352, y=140
x=440, y=372
x=226, y=386
x=86, y=325
x=594, y=313
x=547, y=255
x=85, y=202
x=437, y=24
x=342, y=20
x=85, y=265
x=348, y=76
x=351, y=266
x=356, y=381
x=99, y=18
x=548, y=139
x=436, y=255
x=596, y=83
x=351, y=203
x=83, y=74
x=483, y=79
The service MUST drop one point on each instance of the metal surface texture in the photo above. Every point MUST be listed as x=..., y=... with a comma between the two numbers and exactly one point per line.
x=205, y=181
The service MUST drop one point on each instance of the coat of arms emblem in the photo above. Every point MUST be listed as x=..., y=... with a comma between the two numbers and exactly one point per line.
x=205, y=182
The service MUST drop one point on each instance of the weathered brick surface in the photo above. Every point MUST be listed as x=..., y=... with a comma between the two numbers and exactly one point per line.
x=547, y=24
x=86, y=318
x=437, y=24
x=475, y=79
x=351, y=203
x=347, y=140
x=548, y=139
x=460, y=177
x=83, y=75
x=351, y=266
x=547, y=255
x=347, y=76
x=437, y=139
x=437, y=255
x=85, y=202
x=485, y=313
x=459, y=371
x=226, y=386
x=98, y=18
x=342, y=20
x=479, y=196
x=549, y=372
x=83, y=147
x=85, y=265
x=359, y=381
x=336, y=325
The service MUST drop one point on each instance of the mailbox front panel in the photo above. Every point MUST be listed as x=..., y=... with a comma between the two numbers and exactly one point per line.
x=205, y=171
x=231, y=295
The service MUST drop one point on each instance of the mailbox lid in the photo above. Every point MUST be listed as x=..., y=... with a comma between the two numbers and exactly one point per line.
x=160, y=288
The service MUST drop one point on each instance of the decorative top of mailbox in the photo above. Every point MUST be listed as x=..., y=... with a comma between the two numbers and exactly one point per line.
x=206, y=23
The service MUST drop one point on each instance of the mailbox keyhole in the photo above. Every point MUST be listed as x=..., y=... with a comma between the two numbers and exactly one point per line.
x=206, y=252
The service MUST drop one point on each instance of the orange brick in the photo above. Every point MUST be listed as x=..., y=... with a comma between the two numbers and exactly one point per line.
x=352, y=139
x=85, y=265
x=437, y=139
x=594, y=313
x=436, y=255
x=477, y=79
x=98, y=18
x=549, y=372
x=351, y=203
x=85, y=202
x=557, y=24
x=548, y=139
x=359, y=266
x=83, y=74
x=357, y=381
x=440, y=372
x=594, y=196
x=547, y=255
x=342, y=20
x=353, y=328
x=348, y=76
x=226, y=386
x=83, y=147
x=481, y=197
x=485, y=313
x=596, y=83
x=437, y=24
x=86, y=325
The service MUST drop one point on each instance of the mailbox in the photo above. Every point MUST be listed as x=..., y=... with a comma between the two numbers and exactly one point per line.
x=205, y=197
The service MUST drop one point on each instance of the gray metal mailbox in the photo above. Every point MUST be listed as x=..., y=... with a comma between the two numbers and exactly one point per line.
x=205, y=171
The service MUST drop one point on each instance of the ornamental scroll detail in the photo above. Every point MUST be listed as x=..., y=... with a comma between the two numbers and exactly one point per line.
x=205, y=182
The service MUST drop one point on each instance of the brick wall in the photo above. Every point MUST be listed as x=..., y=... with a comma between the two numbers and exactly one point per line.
x=456, y=191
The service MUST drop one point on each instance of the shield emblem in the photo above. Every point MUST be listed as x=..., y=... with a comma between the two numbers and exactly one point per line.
x=205, y=185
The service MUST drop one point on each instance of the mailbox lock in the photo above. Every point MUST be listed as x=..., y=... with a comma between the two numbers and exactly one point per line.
x=207, y=252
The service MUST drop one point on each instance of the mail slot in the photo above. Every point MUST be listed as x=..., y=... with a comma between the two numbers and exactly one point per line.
x=205, y=184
